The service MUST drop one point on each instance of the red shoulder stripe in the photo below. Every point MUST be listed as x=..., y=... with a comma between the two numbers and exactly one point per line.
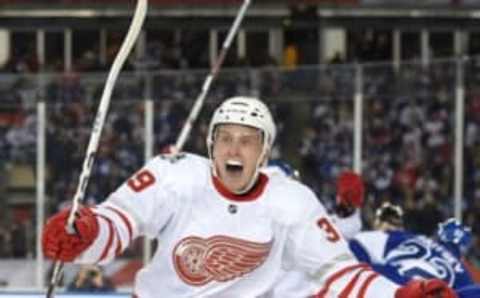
x=110, y=239
x=125, y=220
x=366, y=284
x=338, y=275
x=352, y=283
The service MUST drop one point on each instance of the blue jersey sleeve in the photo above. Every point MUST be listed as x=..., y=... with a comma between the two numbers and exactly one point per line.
x=471, y=291
x=463, y=278
x=360, y=252
x=391, y=273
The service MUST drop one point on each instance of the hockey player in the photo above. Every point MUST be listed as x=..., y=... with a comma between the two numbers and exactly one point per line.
x=403, y=256
x=350, y=192
x=224, y=228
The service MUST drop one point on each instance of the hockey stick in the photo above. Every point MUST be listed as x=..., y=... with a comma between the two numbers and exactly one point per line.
x=197, y=106
x=133, y=32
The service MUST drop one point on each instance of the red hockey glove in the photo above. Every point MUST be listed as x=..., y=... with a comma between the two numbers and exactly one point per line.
x=432, y=288
x=57, y=244
x=350, y=190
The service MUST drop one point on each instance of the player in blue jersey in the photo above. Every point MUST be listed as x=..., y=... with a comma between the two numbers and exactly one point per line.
x=402, y=256
x=349, y=200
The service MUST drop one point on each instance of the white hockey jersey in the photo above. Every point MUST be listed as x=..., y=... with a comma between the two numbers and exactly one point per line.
x=295, y=283
x=213, y=243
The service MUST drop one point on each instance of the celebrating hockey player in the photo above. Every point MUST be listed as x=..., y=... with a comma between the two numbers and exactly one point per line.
x=224, y=228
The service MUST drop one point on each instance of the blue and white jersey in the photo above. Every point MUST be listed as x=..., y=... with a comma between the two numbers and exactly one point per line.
x=402, y=256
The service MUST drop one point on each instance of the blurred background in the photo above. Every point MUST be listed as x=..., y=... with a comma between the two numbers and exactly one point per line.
x=387, y=87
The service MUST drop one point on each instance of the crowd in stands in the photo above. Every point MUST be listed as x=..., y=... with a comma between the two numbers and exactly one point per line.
x=408, y=129
x=408, y=138
x=72, y=100
x=232, y=2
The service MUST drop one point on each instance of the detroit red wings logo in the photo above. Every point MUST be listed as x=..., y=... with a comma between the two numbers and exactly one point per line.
x=198, y=261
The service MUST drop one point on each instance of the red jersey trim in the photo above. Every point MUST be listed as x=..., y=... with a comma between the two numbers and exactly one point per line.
x=338, y=275
x=348, y=290
x=125, y=220
x=252, y=195
x=107, y=247
x=366, y=284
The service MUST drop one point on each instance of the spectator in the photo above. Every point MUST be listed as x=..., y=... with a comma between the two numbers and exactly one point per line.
x=5, y=241
x=291, y=56
x=90, y=278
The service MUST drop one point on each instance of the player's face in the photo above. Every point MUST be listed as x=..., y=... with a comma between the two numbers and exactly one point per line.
x=236, y=150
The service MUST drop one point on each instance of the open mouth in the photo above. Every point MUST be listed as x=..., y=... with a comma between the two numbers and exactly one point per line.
x=234, y=167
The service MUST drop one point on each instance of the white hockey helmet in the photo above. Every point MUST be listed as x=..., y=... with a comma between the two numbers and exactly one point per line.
x=247, y=111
